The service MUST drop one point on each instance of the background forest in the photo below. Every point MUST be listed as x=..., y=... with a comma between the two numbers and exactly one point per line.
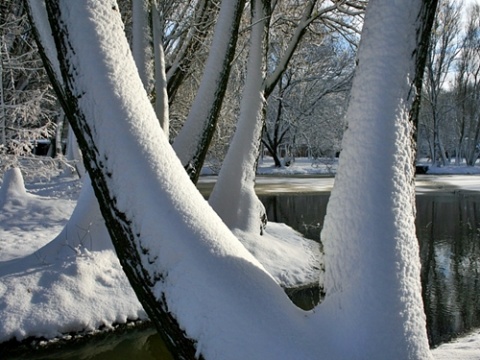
x=305, y=108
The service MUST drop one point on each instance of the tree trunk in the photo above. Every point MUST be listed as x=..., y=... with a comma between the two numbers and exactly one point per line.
x=192, y=143
x=161, y=95
x=233, y=196
x=271, y=147
x=141, y=41
x=80, y=115
x=165, y=234
x=380, y=132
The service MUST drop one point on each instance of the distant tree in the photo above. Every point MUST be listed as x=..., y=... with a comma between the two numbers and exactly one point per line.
x=28, y=108
x=274, y=136
x=308, y=106
x=443, y=51
x=467, y=89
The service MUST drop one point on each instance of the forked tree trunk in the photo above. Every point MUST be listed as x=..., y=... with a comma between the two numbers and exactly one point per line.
x=191, y=275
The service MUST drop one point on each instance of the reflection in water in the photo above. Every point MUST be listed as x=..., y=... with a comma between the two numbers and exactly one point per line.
x=449, y=234
x=138, y=343
x=304, y=213
x=448, y=229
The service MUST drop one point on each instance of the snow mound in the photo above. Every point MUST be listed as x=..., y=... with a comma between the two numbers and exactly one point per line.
x=13, y=185
x=52, y=292
x=289, y=257
x=84, y=293
x=29, y=221
x=464, y=348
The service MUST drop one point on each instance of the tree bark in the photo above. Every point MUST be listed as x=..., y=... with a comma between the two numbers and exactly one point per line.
x=426, y=19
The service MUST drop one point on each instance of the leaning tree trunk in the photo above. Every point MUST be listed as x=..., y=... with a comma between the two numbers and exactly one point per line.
x=192, y=143
x=96, y=158
x=161, y=95
x=142, y=49
x=233, y=196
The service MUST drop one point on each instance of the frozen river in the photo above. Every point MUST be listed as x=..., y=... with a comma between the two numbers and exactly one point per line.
x=320, y=184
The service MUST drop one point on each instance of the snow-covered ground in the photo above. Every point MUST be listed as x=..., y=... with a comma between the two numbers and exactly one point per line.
x=328, y=166
x=47, y=292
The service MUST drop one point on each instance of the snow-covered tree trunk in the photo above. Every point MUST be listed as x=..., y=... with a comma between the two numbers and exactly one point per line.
x=3, y=113
x=161, y=95
x=233, y=196
x=369, y=231
x=91, y=123
x=189, y=44
x=58, y=150
x=192, y=143
x=85, y=229
x=168, y=239
x=141, y=41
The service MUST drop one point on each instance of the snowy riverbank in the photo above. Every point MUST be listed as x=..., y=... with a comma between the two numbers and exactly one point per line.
x=51, y=292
